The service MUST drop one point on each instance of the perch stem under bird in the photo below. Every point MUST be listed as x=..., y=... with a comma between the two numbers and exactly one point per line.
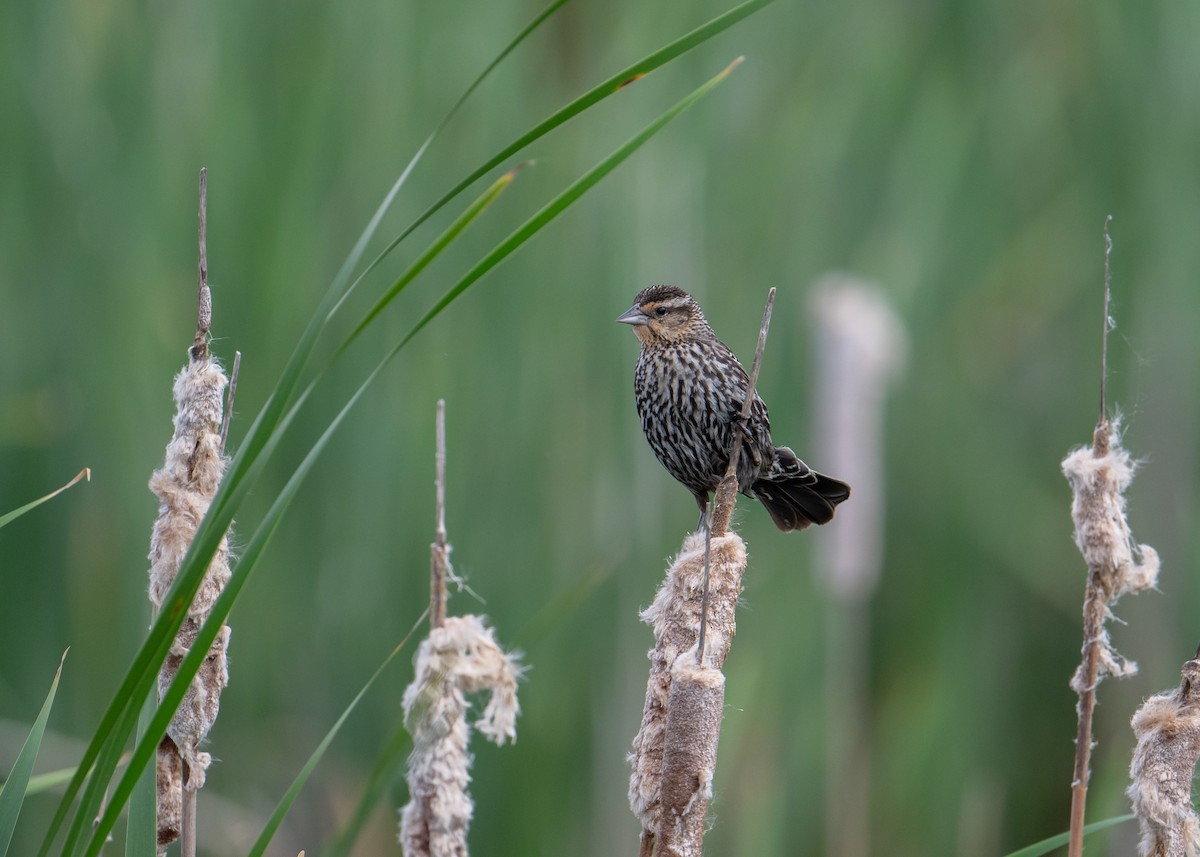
x=690, y=388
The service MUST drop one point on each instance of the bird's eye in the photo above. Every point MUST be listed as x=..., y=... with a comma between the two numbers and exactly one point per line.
x=661, y=311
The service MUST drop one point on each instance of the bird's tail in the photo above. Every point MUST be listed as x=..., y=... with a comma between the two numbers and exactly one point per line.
x=796, y=495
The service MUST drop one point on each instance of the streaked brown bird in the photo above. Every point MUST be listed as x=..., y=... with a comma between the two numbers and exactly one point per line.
x=689, y=389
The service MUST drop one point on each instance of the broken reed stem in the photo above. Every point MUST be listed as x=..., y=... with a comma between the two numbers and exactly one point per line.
x=1167, y=730
x=440, y=552
x=229, y=397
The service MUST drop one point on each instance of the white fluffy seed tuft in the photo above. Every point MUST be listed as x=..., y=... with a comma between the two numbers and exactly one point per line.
x=185, y=486
x=459, y=657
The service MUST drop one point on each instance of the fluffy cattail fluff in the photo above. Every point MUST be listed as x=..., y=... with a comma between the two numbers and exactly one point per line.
x=1167, y=729
x=185, y=486
x=459, y=657
x=675, y=617
x=1099, y=476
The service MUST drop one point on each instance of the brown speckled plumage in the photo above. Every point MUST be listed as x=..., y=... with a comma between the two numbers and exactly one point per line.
x=689, y=389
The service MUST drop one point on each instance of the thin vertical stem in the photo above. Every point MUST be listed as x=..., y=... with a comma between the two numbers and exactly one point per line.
x=1107, y=318
x=1095, y=606
x=229, y=396
x=721, y=506
x=187, y=825
x=439, y=562
x=199, y=350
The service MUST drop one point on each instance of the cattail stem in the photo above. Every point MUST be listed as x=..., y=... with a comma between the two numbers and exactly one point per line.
x=725, y=497
x=199, y=350
x=187, y=828
x=1094, y=608
x=439, y=555
x=726, y=494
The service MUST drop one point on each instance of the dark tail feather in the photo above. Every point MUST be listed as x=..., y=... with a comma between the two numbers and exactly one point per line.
x=796, y=496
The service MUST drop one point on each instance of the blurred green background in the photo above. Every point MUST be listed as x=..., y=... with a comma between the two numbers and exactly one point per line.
x=963, y=154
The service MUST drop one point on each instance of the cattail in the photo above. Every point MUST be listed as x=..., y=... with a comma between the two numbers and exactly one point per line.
x=1167, y=729
x=684, y=699
x=185, y=486
x=458, y=658
x=1099, y=476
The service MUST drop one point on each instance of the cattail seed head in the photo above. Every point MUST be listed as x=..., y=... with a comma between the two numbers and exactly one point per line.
x=1099, y=476
x=459, y=657
x=675, y=617
x=1167, y=729
x=185, y=486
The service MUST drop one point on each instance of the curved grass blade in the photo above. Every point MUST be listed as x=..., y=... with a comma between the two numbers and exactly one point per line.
x=244, y=469
x=385, y=770
x=86, y=473
x=596, y=94
x=12, y=793
x=285, y=803
x=1048, y=845
x=560, y=203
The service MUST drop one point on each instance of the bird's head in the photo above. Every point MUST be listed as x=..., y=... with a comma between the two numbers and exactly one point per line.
x=665, y=314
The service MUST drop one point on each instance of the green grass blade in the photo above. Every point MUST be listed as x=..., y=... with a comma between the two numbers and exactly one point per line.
x=12, y=793
x=596, y=94
x=93, y=795
x=1048, y=845
x=387, y=765
x=289, y=798
x=561, y=202
x=86, y=473
x=141, y=835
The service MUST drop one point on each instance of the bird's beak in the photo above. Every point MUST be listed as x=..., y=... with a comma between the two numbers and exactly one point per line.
x=634, y=316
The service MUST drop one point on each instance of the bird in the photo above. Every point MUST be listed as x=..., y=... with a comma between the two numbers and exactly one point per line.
x=689, y=389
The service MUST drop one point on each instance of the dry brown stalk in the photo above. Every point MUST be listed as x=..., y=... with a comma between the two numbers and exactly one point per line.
x=185, y=486
x=439, y=563
x=675, y=750
x=1099, y=476
x=459, y=656
x=1167, y=729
